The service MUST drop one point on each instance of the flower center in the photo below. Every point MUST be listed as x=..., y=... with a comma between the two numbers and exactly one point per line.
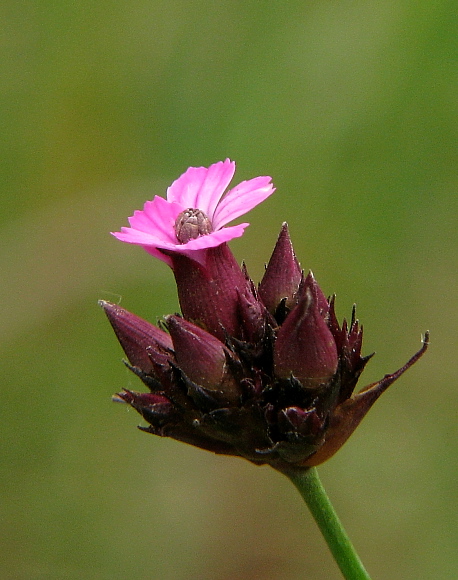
x=192, y=223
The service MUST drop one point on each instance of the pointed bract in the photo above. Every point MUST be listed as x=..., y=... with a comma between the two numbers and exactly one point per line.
x=349, y=414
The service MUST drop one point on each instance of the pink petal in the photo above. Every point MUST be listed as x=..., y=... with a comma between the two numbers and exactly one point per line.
x=241, y=199
x=214, y=239
x=195, y=249
x=156, y=223
x=158, y=254
x=202, y=187
x=133, y=236
x=138, y=237
x=158, y=216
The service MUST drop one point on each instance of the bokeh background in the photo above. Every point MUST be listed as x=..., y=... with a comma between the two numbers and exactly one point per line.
x=351, y=107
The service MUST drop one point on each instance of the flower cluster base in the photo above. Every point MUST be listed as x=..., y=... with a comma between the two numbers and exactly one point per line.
x=266, y=373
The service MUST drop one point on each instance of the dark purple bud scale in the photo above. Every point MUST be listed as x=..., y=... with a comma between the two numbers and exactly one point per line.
x=264, y=374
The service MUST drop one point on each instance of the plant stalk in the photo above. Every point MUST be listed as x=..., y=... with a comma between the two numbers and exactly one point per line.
x=312, y=491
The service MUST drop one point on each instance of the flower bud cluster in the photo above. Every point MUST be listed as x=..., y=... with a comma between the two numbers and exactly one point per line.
x=263, y=373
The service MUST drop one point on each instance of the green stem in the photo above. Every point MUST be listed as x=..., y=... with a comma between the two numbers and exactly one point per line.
x=309, y=485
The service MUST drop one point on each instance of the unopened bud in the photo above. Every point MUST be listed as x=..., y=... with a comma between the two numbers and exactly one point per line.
x=145, y=345
x=305, y=347
x=282, y=276
x=201, y=356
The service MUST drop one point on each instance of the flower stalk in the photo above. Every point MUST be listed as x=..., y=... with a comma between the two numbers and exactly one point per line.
x=313, y=493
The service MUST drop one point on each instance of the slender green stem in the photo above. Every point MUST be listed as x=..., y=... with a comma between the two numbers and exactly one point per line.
x=311, y=489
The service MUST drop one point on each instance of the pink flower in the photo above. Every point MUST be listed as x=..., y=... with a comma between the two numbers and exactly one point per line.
x=193, y=216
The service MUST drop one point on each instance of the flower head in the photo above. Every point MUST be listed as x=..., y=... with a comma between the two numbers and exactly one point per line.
x=264, y=374
x=193, y=216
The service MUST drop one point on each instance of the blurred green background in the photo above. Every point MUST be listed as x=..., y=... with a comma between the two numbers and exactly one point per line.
x=351, y=107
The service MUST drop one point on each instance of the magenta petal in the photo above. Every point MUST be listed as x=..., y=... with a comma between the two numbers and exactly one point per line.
x=195, y=249
x=191, y=248
x=214, y=239
x=158, y=216
x=241, y=199
x=210, y=241
x=137, y=237
x=202, y=187
x=158, y=254
x=152, y=244
x=154, y=226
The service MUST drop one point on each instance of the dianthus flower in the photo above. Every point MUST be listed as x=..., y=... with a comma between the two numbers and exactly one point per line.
x=266, y=373
x=193, y=216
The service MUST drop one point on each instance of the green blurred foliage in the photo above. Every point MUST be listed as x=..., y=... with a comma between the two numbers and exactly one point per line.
x=352, y=108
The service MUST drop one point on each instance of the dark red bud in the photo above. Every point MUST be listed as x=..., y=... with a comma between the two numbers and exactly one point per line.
x=145, y=345
x=153, y=407
x=142, y=399
x=301, y=421
x=309, y=283
x=305, y=347
x=282, y=276
x=201, y=356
